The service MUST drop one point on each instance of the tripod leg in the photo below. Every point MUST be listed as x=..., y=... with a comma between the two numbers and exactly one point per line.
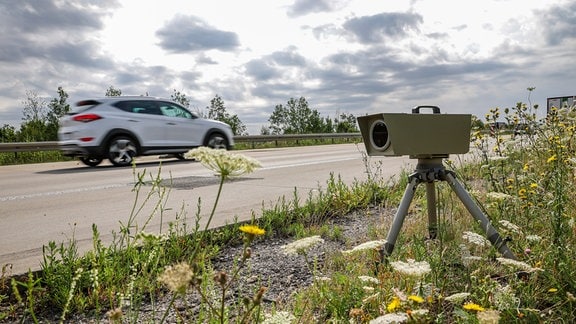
x=477, y=213
x=399, y=217
x=432, y=215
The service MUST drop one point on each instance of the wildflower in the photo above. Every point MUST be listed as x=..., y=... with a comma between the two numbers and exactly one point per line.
x=469, y=259
x=251, y=231
x=412, y=268
x=224, y=163
x=415, y=298
x=150, y=238
x=498, y=196
x=419, y=312
x=552, y=159
x=457, y=298
x=510, y=226
x=489, y=316
x=221, y=277
x=474, y=238
x=177, y=277
x=302, y=245
x=473, y=307
x=280, y=317
x=498, y=158
x=368, y=289
x=533, y=238
x=356, y=315
x=390, y=318
x=394, y=304
x=526, y=167
x=368, y=279
x=516, y=264
x=504, y=298
x=533, y=185
x=366, y=246
x=257, y=299
x=552, y=290
x=114, y=315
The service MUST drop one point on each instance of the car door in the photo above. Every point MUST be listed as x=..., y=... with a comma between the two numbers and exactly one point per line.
x=182, y=128
x=144, y=119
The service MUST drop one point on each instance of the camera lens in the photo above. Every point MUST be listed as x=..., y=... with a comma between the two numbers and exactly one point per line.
x=379, y=135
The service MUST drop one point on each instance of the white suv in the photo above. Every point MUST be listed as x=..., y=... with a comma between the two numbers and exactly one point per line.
x=121, y=128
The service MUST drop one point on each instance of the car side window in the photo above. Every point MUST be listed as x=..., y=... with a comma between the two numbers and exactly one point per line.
x=171, y=110
x=139, y=107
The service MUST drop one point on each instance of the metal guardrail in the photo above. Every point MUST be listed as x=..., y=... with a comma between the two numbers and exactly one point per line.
x=53, y=145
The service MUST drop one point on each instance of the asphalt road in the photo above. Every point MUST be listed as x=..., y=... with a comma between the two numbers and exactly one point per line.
x=57, y=202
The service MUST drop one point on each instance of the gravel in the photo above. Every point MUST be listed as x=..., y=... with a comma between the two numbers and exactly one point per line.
x=268, y=266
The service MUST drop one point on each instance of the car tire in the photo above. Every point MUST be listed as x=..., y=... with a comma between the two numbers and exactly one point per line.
x=122, y=150
x=91, y=161
x=217, y=141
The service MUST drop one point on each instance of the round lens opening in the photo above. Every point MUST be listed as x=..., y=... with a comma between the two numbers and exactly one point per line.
x=379, y=135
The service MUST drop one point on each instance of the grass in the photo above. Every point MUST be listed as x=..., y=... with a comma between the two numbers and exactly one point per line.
x=15, y=158
x=525, y=185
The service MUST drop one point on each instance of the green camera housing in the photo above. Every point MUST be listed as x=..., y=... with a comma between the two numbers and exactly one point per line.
x=417, y=135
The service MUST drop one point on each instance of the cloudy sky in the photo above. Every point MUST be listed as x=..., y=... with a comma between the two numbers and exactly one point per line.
x=343, y=56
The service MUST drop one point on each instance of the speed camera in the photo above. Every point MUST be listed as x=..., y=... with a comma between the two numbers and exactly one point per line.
x=419, y=135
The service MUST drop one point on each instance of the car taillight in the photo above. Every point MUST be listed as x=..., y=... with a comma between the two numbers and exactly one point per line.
x=86, y=118
x=86, y=139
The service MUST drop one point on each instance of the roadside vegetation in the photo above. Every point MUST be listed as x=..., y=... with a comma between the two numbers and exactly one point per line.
x=525, y=183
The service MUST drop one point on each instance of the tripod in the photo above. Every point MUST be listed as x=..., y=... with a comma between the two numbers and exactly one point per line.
x=428, y=170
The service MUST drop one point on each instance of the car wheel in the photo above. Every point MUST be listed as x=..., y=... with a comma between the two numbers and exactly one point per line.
x=91, y=161
x=217, y=141
x=122, y=151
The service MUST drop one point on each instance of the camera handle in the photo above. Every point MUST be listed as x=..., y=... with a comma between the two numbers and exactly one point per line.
x=435, y=109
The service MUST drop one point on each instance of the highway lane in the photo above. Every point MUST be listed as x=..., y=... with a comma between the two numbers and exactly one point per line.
x=60, y=201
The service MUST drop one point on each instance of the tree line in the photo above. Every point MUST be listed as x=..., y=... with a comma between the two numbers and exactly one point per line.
x=40, y=117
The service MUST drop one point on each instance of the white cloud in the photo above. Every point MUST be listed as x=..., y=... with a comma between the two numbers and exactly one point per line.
x=353, y=56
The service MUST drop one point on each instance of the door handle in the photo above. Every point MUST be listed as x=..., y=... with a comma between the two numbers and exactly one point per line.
x=171, y=124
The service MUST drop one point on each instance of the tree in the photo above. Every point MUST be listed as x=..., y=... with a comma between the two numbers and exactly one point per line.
x=57, y=108
x=33, y=127
x=217, y=111
x=180, y=98
x=8, y=134
x=346, y=123
x=34, y=107
x=297, y=118
x=113, y=92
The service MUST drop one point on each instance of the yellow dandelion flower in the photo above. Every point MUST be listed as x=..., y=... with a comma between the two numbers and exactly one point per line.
x=526, y=167
x=552, y=290
x=415, y=298
x=533, y=185
x=552, y=159
x=394, y=304
x=522, y=193
x=538, y=264
x=473, y=307
x=252, y=230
